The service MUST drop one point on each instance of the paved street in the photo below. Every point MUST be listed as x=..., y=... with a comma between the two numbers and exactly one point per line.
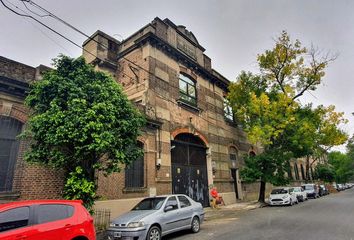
x=328, y=218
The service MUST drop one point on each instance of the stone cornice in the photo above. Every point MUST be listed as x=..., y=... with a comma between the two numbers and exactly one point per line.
x=13, y=87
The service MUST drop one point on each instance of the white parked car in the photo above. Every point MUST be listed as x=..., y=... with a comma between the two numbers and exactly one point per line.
x=283, y=196
x=300, y=194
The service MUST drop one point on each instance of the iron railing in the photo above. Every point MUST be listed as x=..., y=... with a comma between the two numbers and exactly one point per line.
x=101, y=219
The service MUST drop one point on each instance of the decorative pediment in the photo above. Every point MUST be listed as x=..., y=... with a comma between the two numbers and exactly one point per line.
x=187, y=34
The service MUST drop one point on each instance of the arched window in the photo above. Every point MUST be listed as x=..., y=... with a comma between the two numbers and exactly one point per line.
x=10, y=128
x=303, y=172
x=296, y=170
x=187, y=90
x=233, y=157
x=134, y=173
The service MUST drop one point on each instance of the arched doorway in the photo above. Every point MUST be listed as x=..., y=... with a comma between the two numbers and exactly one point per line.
x=189, y=169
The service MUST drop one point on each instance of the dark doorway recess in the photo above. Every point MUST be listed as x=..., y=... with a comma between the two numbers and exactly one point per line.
x=189, y=169
x=234, y=177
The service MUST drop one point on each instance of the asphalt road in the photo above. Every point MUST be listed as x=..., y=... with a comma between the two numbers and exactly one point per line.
x=327, y=218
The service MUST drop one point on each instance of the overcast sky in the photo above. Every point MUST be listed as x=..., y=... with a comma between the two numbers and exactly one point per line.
x=232, y=32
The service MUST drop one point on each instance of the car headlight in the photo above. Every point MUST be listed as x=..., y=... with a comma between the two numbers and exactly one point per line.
x=135, y=224
x=284, y=197
x=112, y=224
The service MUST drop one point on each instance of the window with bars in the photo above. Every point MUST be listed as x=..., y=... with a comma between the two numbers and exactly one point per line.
x=187, y=90
x=134, y=173
x=233, y=156
x=10, y=128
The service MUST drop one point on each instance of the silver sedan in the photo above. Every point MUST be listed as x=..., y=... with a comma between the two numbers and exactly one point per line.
x=155, y=217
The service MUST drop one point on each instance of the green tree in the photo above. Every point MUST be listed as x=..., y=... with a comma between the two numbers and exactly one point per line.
x=325, y=172
x=343, y=163
x=267, y=107
x=343, y=166
x=81, y=118
x=264, y=115
x=315, y=131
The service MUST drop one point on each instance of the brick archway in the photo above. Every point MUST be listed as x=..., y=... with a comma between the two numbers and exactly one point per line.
x=13, y=111
x=188, y=130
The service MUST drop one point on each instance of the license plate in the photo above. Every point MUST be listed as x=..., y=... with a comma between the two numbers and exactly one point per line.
x=117, y=234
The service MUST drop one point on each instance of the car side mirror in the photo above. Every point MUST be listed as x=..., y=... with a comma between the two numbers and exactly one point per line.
x=168, y=208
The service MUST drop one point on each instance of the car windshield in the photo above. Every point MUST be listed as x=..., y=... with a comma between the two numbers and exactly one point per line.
x=297, y=190
x=150, y=204
x=308, y=187
x=279, y=191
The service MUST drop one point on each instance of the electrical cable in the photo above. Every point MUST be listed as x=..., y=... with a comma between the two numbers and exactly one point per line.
x=24, y=4
x=89, y=37
x=47, y=36
x=41, y=23
x=84, y=34
x=66, y=38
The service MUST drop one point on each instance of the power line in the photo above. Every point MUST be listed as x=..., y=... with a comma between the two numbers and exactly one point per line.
x=82, y=33
x=24, y=4
x=41, y=23
x=47, y=36
x=89, y=37
x=66, y=38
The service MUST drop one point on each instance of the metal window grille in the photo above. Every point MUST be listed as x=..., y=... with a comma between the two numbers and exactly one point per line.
x=233, y=156
x=134, y=173
x=101, y=218
x=10, y=128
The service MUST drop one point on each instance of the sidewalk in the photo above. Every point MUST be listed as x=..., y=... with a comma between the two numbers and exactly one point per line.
x=229, y=211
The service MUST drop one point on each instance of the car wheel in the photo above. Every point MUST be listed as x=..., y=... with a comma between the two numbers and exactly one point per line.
x=154, y=233
x=195, y=225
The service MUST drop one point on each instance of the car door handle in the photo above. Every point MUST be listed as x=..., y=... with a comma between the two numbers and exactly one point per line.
x=67, y=226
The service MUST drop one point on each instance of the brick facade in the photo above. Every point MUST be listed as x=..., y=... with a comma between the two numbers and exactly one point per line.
x=29, y=181
x=148, y=67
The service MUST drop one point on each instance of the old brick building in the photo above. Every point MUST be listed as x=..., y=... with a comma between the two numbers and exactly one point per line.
x=18, y=179
x=191, y=140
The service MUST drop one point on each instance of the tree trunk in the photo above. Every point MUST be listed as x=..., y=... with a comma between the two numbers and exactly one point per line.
x=261, y=198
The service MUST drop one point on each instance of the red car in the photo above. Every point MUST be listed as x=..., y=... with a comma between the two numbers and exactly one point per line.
x=46, y=220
